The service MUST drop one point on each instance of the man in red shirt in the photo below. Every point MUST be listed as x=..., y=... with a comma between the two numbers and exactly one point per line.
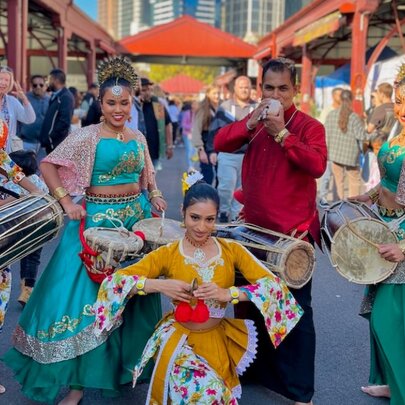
x=286, y=153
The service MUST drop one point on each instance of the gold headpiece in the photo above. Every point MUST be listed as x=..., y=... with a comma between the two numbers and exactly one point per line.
x=118, y=67
x=400, y=75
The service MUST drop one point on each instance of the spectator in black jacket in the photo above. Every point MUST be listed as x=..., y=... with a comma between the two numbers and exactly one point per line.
x=55, y=127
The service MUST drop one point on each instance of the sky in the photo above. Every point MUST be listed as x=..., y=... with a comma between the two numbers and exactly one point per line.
x=88, y=6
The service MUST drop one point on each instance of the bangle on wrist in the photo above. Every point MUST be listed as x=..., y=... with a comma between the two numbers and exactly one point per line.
x=59, y=193
x=155, y=193
x=234, y=293
x=374, y=194
x=281, y=135
x=169, y=146
x=140, y=285
x=18, y=177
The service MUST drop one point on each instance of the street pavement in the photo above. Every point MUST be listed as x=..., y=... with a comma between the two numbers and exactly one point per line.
x=342, y=353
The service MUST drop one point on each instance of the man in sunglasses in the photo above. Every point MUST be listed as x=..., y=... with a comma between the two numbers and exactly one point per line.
x=39, y=99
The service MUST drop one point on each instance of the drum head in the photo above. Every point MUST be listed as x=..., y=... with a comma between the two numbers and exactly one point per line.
x=116, y=240
x=356, y=259
x=160, y=232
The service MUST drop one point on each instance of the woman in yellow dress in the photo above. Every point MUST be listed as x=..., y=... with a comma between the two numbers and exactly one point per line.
x=199, y=353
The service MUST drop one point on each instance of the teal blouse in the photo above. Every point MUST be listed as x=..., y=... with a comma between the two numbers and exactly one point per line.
x=390, y=160
x=117, y=162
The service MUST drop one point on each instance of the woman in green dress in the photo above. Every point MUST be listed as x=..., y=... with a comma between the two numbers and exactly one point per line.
x=384, y=303
x=54, y=343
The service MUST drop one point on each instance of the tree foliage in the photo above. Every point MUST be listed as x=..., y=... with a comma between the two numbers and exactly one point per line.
x=206, y=74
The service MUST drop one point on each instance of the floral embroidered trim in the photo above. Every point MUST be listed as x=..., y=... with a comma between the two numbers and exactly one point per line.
x=123, y=213
x=65, y=324
x=280, y=310
x=129, y=163
x=251, y=351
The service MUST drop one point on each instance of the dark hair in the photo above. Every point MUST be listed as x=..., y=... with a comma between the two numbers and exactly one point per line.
x=346, y=110
x=336, y=89
x=26, y=159
x=33, y=77
x=200, y=192
x=111, y=82
x=74, y=91
x=280, y=65
x=59, y=75
x=93, y=86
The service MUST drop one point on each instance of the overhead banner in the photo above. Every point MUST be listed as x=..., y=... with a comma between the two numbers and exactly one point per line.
x=319, y=28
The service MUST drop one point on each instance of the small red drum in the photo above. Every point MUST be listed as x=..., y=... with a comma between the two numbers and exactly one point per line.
x=351, y=233
x=159, y=232
x=105, y=248
x=26, y=224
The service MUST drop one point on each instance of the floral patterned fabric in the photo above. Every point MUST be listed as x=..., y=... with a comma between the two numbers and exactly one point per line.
x=184, y=355
x=5, y=290
x=9, y=167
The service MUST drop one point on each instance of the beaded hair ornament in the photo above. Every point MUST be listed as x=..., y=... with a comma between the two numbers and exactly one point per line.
x=119, y=68
x=399, y=82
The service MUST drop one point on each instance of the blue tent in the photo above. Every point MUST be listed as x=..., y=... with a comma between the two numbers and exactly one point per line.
x=342, y=75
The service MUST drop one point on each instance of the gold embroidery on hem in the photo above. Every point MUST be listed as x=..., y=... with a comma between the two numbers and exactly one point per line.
x=65, y=324
x=66, y=349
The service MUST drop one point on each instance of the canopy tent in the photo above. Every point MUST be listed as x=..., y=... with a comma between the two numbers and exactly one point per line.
x=342, y=74
x=182, y=85
x=341, y=78
x=187, y=41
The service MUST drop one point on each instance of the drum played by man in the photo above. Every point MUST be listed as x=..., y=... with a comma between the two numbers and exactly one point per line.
x=286, y=153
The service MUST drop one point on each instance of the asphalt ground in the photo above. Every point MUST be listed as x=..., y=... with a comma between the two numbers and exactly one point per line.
x=342, y=352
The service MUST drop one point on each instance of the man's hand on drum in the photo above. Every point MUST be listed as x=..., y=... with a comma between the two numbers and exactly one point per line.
x=72, y=210
x=176, y=289
x=391, y=252
x=159, y=203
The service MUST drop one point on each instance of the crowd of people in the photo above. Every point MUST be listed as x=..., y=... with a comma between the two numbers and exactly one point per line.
x=263, y=161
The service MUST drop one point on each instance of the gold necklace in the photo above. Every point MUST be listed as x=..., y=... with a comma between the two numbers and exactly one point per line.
x=119, y=135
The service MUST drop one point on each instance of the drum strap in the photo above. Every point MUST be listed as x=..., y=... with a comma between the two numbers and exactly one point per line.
x=86, y=248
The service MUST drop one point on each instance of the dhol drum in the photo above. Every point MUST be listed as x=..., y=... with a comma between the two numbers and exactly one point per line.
x=159, y=232
x=26, y=224
x=292, y=259
x=351, y=233
x=105, y=248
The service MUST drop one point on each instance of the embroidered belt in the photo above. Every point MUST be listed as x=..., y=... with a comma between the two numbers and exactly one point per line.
x=112, y=198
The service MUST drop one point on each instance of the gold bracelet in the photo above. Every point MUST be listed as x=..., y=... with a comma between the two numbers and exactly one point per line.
x=155, y=193
x=18, y=177
x=140, y=285
x=234, y=292
x=374, y=194
x=59, y=193
x=280, y=136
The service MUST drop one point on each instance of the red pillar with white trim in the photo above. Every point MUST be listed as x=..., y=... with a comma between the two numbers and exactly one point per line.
x=306, y=81
x=364, y=8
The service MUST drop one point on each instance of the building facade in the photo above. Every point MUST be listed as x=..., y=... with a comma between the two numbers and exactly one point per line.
x=207, y=11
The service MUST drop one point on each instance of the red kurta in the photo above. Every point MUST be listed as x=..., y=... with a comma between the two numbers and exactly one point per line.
x=279, y=186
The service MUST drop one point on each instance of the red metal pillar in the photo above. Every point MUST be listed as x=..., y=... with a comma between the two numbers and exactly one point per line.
x=14, y=34
x=361, y=19
x=62, y=48
x=306, y=81
x=24, y=80
x=91, y=64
